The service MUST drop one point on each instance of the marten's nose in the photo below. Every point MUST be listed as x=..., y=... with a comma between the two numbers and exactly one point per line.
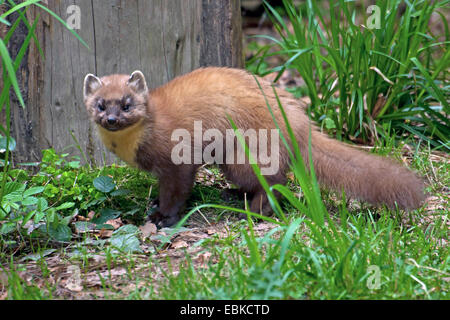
x=112, y=120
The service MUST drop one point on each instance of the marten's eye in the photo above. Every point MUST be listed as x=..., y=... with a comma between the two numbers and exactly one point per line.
x=101, y=106
x=126, y=107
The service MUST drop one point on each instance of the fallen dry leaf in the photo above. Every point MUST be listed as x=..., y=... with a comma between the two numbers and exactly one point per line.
x=3, y=280
x=179, y=244
x=94, y=279
x=192, y=236
x=290, y=176
x=104, y=233
x=73, y=283
x=148, y=229
x=91, y=215
x=202, y=259
x=116, y=223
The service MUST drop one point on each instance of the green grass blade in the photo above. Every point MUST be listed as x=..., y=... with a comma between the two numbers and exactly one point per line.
x=10, y=69
x=18, y=7
x=17, y=62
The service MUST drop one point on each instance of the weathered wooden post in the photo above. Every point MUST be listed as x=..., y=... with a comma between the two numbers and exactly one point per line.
x=163, y=38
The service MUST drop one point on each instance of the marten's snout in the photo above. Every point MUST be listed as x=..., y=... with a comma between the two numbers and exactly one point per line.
x=112, y=120
x=112, y=123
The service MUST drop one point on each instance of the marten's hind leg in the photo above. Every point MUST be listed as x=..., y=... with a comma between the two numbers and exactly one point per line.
x=244, y=177
x=260, y=201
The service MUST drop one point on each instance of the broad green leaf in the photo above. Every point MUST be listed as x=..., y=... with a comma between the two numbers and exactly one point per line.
x=14, y=188
x=39, y=255
x=125, y=240
x=66, y=205
x=29, y=201
x=60, y=233
x=42, y=204
x=7, y=228
x=120, y=192
x=85, y=226
x=106, y=215
x=33, y=191
x=104, y=184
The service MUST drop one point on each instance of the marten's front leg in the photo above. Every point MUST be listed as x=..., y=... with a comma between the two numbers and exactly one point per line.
x=174, y=189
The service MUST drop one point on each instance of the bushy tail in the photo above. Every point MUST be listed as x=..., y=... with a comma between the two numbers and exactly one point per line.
x=367, y=177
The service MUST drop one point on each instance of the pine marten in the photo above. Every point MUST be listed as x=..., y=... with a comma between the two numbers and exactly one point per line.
x=139, y=126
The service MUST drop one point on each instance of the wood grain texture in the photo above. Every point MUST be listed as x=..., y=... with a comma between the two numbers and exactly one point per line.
x=222, y=33
x=162, y=38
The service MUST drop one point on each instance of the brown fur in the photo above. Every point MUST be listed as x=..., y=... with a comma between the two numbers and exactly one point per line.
x=210, y=95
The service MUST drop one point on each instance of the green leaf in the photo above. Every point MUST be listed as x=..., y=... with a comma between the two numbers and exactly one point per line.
x=29, y=201
x=85, y=226
x=104, y=226
x=66, y=220
x=14, y=188
x=51, y=215
x=127, y=230
x=329, y=124
x=33, y=191
x=106, y=215
x=7, y=228
x=120, y=192
x=60, y=233
x=65, y=205
x=133, y=211
x=74, y=164
x=39, y=255
x=104, y=184
x=125, y=240
x=28, y=217
x=42, y=205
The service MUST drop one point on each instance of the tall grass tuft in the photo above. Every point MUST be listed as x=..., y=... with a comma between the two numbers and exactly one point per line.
x=367, y=80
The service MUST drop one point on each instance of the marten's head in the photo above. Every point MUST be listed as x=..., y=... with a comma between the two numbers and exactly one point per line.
x=116, y=102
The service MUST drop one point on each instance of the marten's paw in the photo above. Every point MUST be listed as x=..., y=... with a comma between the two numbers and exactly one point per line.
x=266, y=210
x=162, y=221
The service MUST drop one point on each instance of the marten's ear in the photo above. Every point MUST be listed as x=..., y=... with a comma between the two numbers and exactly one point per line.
x=91, y=85
x=137, y=83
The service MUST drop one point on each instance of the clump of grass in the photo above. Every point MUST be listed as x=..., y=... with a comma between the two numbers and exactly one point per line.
x=367, y=80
